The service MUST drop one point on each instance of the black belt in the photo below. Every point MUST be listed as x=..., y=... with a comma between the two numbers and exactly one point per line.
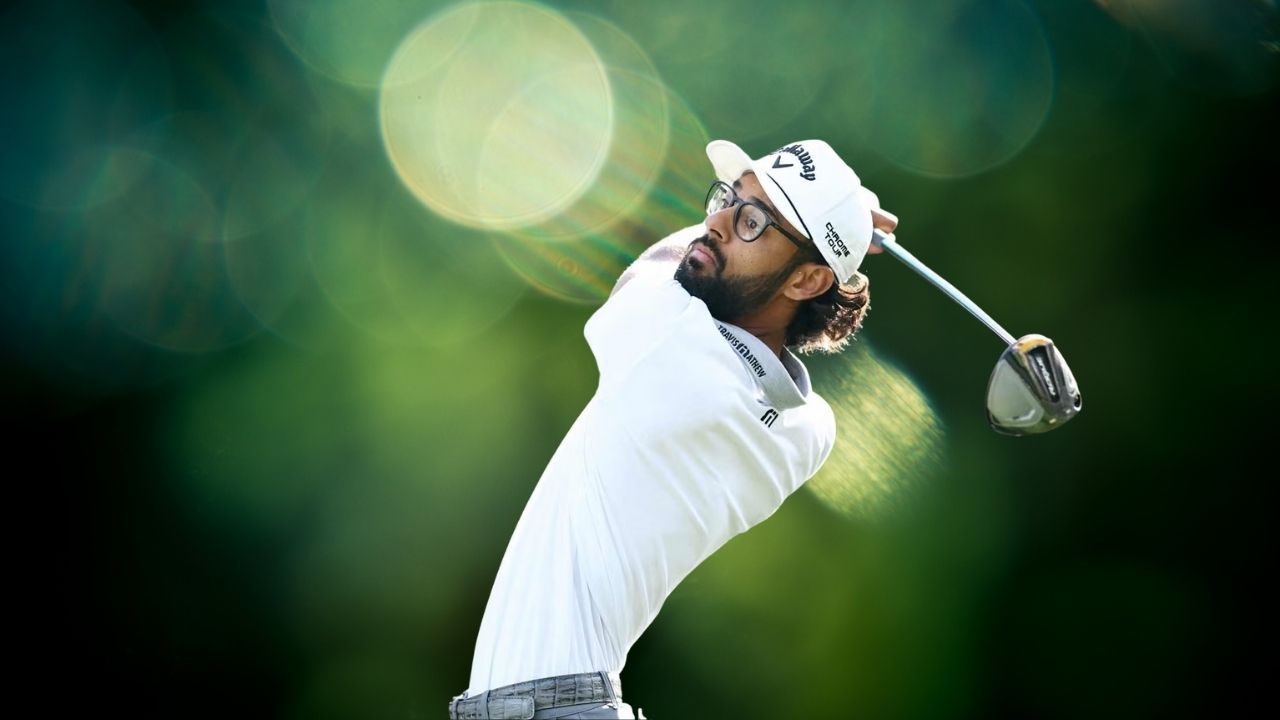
x=520, y=700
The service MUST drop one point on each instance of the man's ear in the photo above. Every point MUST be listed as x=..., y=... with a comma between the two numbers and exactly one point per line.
x=809, y=281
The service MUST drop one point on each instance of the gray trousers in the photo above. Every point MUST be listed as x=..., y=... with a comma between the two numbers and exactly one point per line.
x=585, y=696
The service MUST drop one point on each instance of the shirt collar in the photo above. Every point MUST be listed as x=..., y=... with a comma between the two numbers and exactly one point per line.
x=783, y=381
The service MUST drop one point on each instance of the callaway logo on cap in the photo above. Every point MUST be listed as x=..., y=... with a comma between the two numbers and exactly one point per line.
x=815, y=191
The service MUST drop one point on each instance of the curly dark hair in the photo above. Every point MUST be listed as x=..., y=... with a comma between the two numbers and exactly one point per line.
x=825, y=323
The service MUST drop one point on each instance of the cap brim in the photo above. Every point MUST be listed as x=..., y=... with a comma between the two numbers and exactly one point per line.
x=728, y=160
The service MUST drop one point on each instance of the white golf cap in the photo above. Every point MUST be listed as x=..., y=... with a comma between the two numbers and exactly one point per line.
x=816, y=191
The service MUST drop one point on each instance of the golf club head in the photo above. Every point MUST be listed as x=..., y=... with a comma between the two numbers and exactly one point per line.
x=1031, y=389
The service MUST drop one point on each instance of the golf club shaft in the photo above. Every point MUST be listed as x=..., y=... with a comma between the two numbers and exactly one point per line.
x=890, y=245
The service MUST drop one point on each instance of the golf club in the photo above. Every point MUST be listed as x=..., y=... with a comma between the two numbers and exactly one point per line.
x=1031, y=388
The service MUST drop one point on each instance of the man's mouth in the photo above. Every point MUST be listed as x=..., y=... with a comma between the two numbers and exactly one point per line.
x=704, y=254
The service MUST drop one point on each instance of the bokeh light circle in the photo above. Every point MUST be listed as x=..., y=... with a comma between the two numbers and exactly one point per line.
x=69, y=97
x=945, y=88
x=585, y=268
x=251, y=131
x=450, y=286
x=162, y=276
x=639, y=142
x=888, y=437
x=1223, y=47
x=396, y=271
x=496, y=115
x=53, y=269
x=745, y=85
x=270, y=272
x=346, y=40
x=273, y=176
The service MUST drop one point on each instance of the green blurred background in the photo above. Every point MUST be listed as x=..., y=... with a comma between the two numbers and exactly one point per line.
x=293, y=296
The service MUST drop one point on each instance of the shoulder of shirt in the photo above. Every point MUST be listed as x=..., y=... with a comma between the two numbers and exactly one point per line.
x=824, y=427
x=648, y=273
x=653, y=280
x=647, y=301
x=822, y=411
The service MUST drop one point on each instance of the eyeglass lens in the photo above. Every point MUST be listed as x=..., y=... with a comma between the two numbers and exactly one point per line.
x=719, y=197
x=749, y=221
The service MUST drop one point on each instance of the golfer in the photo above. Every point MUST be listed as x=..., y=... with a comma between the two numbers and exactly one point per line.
x=703, y=423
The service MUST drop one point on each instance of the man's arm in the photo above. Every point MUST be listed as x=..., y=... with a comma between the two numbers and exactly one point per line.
x=668, y=251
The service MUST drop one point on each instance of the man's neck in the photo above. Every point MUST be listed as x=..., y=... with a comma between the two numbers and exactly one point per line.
x=769, y=324
x=774, y=339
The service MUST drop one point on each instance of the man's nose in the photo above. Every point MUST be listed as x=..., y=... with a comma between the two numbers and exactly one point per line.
x=719, y=225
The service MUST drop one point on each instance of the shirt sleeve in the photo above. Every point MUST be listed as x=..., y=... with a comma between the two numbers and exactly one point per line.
x=664, y=256
x=638, y=318
x=826, y=432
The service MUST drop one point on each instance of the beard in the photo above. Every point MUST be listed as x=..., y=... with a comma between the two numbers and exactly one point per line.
x=731, y=298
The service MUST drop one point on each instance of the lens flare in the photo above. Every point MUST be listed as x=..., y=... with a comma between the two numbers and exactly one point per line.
x=53, y=268
x=71, y=94
x=163, y=279
x=273, y=175
x=585, y=269
x=252, y=133
x=1224, y=47
x=113, y=294
x=679, y=192
x=889, y=441
x=450, y=286
x=945, y=89
x=496, y=115
x=641, y=130
x=743, y=89
x=398, y=272
x=582, y=270
x=1094, y=78
x=347, y=40
x=343, y=253
x=270, y=272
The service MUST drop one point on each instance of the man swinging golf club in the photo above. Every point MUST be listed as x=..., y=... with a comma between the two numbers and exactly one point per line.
x=703, y=423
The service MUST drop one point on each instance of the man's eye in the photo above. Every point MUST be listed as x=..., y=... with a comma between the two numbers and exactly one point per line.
x=753, y=223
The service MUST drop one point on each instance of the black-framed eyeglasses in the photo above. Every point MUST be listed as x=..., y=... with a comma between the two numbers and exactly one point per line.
x=750, y=220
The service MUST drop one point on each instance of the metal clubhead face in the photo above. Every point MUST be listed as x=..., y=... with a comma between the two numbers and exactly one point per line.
x=1031, y=389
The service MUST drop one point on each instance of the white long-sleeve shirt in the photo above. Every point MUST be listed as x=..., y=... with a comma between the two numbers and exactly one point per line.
x=696, y=433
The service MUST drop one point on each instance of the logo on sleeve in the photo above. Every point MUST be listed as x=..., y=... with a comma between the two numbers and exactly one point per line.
x=769, y=416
